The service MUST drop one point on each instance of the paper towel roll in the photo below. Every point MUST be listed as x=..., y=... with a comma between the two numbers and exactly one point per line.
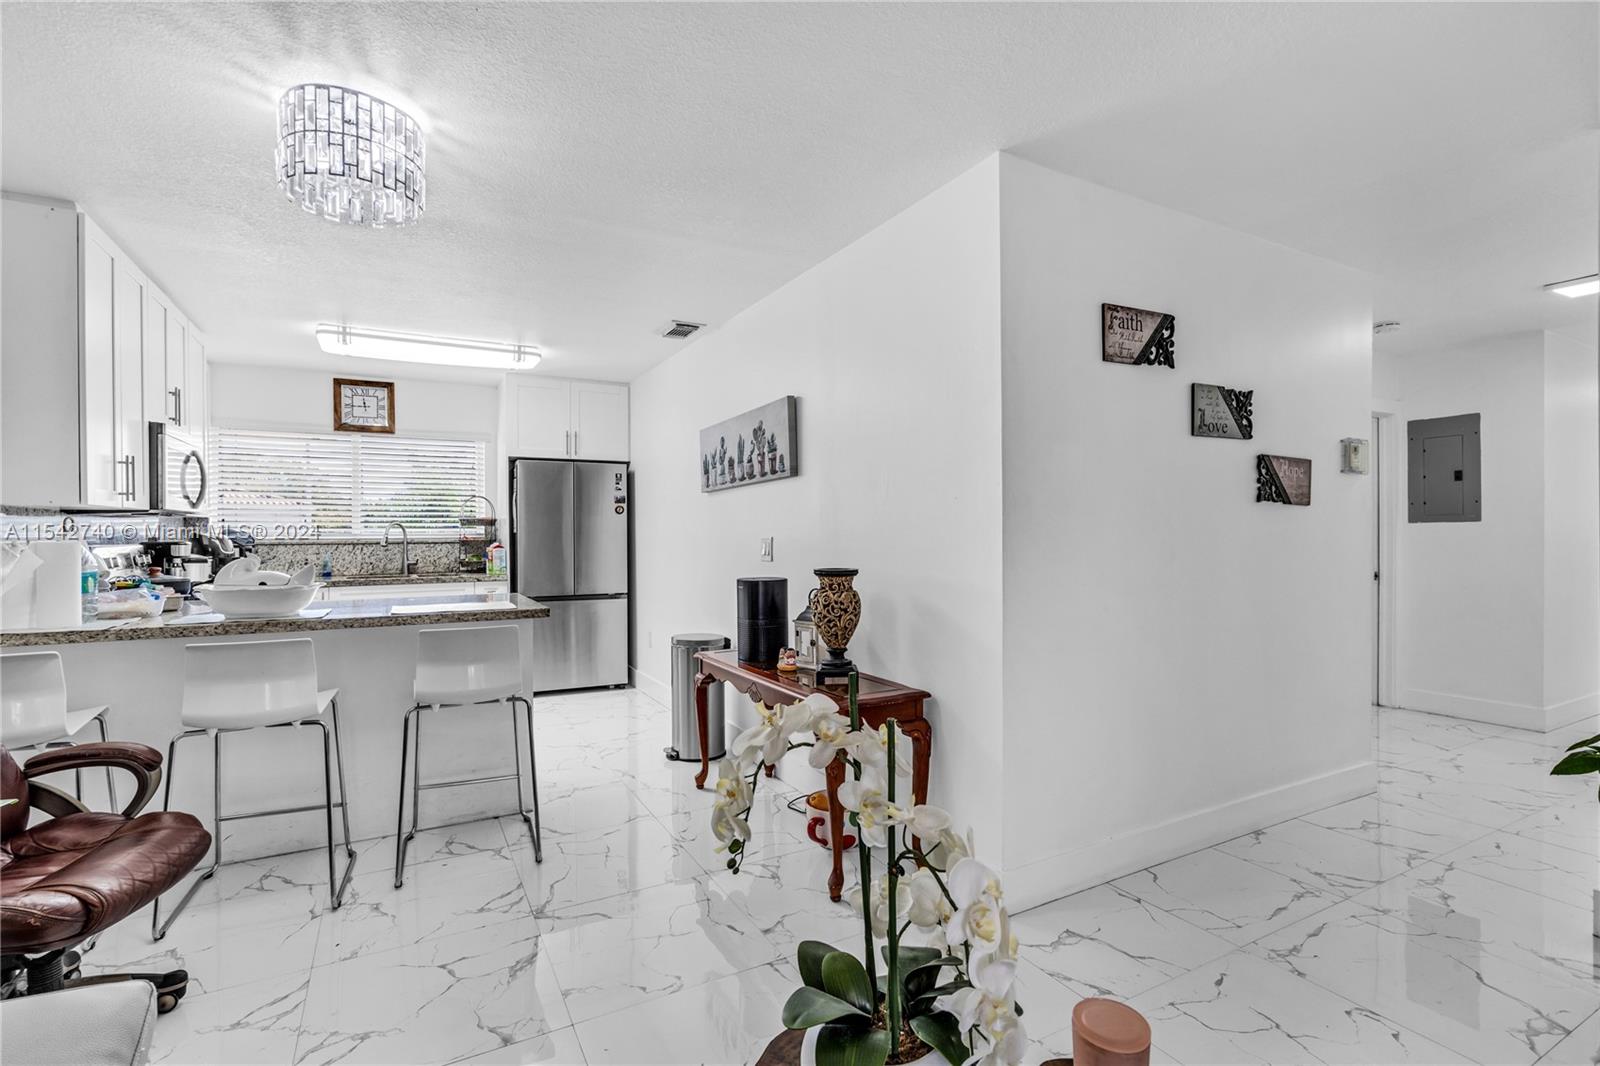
x=57, y=602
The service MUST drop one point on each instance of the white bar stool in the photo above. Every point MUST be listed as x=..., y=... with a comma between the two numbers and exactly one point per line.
x=260, y=684
x=459, y=668
x=33, y=709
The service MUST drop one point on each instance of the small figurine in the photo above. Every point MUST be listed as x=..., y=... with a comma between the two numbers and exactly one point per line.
x=788, y=661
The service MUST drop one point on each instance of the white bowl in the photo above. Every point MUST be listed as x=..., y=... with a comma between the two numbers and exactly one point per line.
x=258, y=601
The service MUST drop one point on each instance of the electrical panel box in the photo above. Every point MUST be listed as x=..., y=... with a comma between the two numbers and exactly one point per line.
x=1443, y=469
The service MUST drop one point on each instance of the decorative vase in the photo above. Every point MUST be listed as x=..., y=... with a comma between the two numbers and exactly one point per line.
x=836, y=609
x=808, y=1052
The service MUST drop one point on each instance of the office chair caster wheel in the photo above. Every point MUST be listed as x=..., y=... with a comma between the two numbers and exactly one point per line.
x=170, y=988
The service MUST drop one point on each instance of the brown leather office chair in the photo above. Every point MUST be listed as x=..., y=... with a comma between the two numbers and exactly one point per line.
x=80, y=872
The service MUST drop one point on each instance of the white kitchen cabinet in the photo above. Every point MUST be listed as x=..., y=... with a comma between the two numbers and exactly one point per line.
x=175, y=365
x=41, y=450
x=552, y=418
x=542, y=417
x=599, y=421
x=177, y=344
x=82, y=362
x=100, y=463
x=132, y=438
x=194, y=382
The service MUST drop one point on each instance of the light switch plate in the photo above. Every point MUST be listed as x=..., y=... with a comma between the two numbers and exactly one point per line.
x=766, y=549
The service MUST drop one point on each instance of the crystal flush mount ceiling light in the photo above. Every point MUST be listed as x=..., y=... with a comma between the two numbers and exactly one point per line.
x=350, y=157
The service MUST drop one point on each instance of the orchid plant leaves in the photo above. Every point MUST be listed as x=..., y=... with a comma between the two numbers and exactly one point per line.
x=1581, y=758
x=812, y=1006
x=841, y=1045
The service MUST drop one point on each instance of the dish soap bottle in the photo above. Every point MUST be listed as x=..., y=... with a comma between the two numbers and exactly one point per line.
x=327, y=566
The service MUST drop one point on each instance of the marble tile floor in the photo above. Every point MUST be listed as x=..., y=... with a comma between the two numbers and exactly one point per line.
x=1445, y=918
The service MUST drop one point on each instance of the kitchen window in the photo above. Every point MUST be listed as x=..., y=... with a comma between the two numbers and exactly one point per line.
x=317, y=486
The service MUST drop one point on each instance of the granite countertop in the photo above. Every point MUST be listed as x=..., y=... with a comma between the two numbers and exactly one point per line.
x=451, y=578
x=197, y=620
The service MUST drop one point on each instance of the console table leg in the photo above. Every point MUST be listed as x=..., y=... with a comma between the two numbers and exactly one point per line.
x=836, y=829
x=920, y=733
x=702, y=685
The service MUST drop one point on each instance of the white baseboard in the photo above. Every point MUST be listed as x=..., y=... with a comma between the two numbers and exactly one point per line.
x=1499, y=712
x=1494, y=712
x=656, y=689
x=1572, y=712
x=1044, y=880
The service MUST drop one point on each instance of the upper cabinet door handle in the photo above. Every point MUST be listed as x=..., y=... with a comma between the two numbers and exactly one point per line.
x=177, y=405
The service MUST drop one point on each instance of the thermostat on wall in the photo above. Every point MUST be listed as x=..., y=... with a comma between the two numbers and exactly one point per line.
x=1354, y=455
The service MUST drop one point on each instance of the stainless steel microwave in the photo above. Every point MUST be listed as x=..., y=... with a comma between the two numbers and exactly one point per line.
x=177, y=469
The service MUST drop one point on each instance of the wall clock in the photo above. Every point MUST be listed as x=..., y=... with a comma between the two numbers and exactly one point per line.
x=363, y=406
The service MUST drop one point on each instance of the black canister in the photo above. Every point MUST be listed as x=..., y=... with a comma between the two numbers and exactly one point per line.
x=763, y=609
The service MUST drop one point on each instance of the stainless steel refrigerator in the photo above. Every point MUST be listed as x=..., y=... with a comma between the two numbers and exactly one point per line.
x=569, y=551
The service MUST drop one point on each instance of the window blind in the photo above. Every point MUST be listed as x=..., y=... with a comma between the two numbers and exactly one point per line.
x=338, y=486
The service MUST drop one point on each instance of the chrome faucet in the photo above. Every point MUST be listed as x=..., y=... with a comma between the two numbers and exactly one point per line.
x=407, y=567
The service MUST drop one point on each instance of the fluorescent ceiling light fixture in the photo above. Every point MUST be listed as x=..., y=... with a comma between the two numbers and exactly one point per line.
x=1576, y=287
x=421, y=348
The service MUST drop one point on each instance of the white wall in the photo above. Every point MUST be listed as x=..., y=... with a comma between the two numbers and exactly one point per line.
x=892, y=347
x=1182, y=664
x=1571, y=531
x=248, y=396
x=1499, y=620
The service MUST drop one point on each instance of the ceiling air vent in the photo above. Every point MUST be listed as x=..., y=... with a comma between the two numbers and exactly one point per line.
x=677, y=329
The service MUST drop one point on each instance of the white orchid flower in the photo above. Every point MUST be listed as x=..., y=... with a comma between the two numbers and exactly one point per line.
x=833, y=734
x=924, y=820
x=819, y=706
x=952, y=848
x=929, y=909
x=1003, y=1039
x=1007, y=1039
x=980, y=919
x=733, y=798
x=876, y=755
x=880, y=903
x=768, y=739
x=866, y=798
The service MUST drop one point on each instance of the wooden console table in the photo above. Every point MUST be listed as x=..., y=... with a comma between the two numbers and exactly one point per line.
x=879, y=700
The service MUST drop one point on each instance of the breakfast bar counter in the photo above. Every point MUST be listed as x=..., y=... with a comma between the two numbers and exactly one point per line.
x=197, y=621
x=367, y=649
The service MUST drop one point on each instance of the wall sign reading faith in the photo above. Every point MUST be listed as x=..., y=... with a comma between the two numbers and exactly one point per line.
x=1135, y=337
x=1220, y=412
x=1280, y=479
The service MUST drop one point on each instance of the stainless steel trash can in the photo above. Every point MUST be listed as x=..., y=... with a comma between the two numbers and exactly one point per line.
x=685, y=731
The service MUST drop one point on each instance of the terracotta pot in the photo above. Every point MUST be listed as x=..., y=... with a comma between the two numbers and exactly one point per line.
x=808, y=1053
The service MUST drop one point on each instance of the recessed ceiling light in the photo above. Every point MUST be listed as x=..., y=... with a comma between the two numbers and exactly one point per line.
x=1576, y=287
x=421, y=348
x=349, y=157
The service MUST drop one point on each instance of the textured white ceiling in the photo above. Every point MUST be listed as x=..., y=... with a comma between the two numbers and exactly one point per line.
x=595, y=170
